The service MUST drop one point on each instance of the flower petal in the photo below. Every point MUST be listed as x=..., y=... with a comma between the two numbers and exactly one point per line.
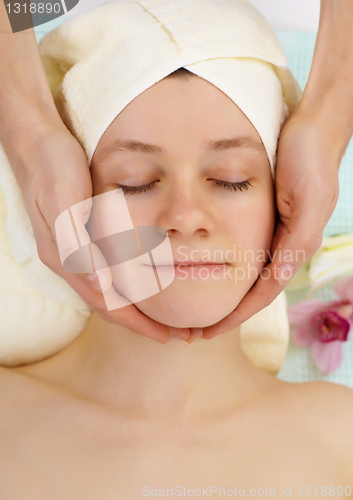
x=303, y=335
x=330, y=242
x=329, y=356
x=302, y=311
x=331, y=261
x=330, y=326
x=345, y=310
x=344, y=288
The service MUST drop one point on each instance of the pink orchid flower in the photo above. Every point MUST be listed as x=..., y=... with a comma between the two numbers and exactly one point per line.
x=323, y=326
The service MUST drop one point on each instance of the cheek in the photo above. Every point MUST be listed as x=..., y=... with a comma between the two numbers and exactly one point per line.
x=247, y=221
x=250, y=227
x=259, y=222
x=146, y=211
x=110, y=215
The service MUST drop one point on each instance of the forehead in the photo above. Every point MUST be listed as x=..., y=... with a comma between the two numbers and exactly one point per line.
x=191, y=113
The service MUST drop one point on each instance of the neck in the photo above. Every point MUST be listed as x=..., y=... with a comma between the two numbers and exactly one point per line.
x=122, y=369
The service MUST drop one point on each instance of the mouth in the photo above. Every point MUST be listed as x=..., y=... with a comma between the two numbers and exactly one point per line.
x=191, y=269
x=178, y=263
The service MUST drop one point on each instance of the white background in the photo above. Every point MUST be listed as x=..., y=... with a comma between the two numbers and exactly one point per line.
x=294, y=15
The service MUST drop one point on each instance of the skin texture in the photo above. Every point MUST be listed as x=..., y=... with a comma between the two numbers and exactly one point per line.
x=111, y=364
x=295, y=168
x=115, y=411
x=43, y=155
x=310, y=150
x=198, y=214
x=204, y=220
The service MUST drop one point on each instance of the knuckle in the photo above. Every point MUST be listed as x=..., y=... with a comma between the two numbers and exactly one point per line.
x=263, y=296
x=311, y=244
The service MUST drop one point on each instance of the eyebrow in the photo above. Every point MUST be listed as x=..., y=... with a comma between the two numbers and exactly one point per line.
x=215, y=145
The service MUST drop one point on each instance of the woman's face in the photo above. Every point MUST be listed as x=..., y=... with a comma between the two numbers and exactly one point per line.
x=209, y=185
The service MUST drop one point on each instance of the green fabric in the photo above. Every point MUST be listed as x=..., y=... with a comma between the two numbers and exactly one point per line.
x=298, y=365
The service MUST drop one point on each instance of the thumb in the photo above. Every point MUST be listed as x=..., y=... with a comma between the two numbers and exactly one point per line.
x=295, y=244
x=77, y=253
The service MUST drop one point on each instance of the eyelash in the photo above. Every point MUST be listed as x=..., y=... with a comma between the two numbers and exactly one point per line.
x=232, y=186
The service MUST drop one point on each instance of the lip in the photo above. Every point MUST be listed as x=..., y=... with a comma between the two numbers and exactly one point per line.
x=194, y=270
x=190, y=263
x=197, y=263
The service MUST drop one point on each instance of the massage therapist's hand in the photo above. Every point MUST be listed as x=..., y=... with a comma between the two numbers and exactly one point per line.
x=53, y=175
x=306, y=193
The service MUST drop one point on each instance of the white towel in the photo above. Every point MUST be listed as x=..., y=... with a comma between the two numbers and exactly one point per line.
x=40, y=314
x=96, y=64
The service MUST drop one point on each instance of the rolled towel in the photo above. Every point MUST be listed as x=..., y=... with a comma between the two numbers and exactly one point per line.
x=96, y=64
x=40, y=314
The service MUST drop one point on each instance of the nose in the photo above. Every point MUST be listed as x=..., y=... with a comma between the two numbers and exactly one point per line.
x=187, y=211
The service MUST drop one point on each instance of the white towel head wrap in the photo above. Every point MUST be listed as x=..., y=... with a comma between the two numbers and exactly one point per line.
x=96, y=64
x=99, y=62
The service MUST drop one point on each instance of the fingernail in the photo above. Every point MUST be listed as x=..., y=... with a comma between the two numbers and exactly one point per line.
x=98, y=281
x=197, y=332
x=285, y=274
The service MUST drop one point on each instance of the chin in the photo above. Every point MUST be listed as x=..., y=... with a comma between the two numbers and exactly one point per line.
x=187, y=311
x=187, y=303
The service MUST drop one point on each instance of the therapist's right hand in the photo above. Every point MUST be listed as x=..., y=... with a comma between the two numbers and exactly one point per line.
x=53, y=173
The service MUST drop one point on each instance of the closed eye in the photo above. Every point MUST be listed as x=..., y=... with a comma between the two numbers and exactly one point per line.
x=232, y=186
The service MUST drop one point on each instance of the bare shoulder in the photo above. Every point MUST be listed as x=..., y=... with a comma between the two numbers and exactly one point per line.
x=325, y=409
x=335, y=402
x=335, y=399
x=331, y=400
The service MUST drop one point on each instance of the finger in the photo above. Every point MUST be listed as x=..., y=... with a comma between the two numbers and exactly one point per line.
x=100, y=278
x=182, y=333
x=69, y=229
x=128, y=316
x=77, y=253
x=133, y=319
x=297, y=243
x=195, y=334
x=295, y=246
